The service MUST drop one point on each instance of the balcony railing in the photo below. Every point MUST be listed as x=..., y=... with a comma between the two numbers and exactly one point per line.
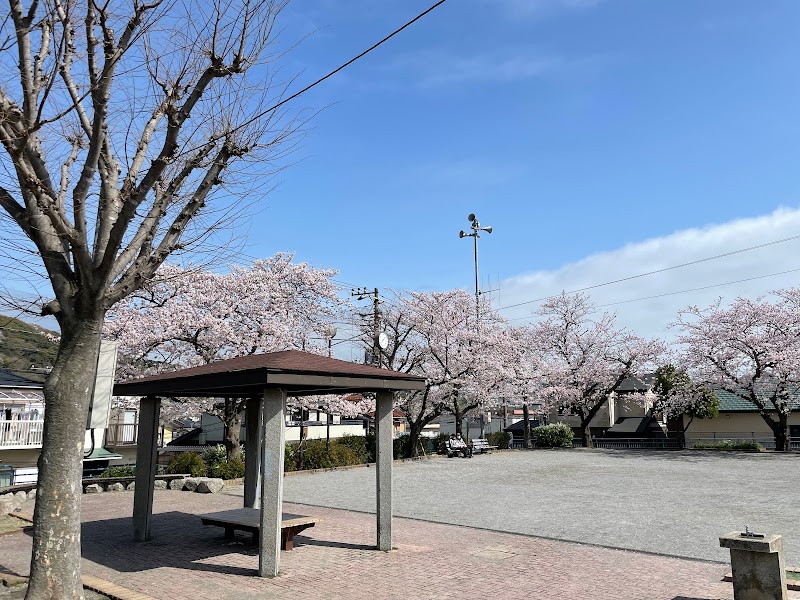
x=120, y=434
x=21, y=434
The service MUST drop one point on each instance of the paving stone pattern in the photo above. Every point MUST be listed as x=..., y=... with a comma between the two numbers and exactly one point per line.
x=670, y=502
x=337, y=559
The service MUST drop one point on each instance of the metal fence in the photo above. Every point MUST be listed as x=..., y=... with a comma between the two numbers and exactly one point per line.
x=636, y=443
x=122, y=434
x=18, y=433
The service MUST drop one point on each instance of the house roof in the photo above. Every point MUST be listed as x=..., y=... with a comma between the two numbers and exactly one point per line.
x=299, y=373
x=729, y=402
x=637, y=383
x=11, y=380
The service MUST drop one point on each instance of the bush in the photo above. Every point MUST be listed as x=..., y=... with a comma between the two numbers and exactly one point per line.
x=188, y=462
x=501, y=439
x=230, y=469
x=317, y=456
x=215, y=458
x=729, y=445
x=356, y=443
x=120, y=471
x=557, y=435
x=290, y=457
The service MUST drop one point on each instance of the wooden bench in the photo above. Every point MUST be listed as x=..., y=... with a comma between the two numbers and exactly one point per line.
x=249, y=520
x=481, y=445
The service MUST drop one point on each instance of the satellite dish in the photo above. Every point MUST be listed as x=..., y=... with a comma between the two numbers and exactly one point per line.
x=383, y=341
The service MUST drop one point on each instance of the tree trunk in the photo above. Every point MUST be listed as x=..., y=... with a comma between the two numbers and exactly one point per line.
x=526, y=429
x=781, y=432
x=586, y=436
x=458, y=417
x=56, y=555
x=232, y=422
x=414, y=431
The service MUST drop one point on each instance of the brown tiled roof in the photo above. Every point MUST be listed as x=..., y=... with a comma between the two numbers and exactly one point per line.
x=251, y=373
x=293, y=361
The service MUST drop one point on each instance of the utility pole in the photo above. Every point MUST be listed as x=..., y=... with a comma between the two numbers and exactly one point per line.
x=476, y=229
x=363, y=293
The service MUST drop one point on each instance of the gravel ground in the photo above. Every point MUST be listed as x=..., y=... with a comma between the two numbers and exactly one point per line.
x=675, y=503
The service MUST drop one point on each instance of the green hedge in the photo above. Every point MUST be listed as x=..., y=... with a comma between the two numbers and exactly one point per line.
x=188, y=462
x=557, y=435
x=501, y=439
x=121, y=471
x=729, y=445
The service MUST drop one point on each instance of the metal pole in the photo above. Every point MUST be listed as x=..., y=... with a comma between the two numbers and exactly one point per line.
x=376, y=348
x=477, y=291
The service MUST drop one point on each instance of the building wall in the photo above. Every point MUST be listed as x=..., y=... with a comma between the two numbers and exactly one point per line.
x=733, y=422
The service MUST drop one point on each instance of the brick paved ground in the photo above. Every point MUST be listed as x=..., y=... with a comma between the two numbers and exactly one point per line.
x=336, y=559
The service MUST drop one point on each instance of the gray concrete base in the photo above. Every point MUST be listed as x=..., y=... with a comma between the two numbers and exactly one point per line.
x=759, y=572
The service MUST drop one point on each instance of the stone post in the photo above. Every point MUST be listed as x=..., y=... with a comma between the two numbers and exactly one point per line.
x=146, y=459
x=759, y=572
x=252, y=449
x=273, y=426
x=384, y=428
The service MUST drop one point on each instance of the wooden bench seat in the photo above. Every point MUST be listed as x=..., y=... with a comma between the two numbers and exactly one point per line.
x=481, y=445
x=248, y=519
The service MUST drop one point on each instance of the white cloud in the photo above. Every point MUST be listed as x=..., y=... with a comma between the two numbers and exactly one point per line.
x=435, y=68
x=537, y=8
x=652, y=317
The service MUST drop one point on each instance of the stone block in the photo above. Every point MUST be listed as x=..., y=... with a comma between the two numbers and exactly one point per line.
x=20, y=497
x=93, y=488
x=190, y=483
x=32, y=494
x=209, y=485
x=177, y=484
x=115, y=487
x=757, y=564
x=131, y=486
x=160, y=484
x=6, y=504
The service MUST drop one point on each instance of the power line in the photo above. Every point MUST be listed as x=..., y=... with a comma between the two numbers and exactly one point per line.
x=686, y=264
x=321, y=79
x=697, y=289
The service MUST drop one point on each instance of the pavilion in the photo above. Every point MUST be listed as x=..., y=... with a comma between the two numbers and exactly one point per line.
x=265, y=380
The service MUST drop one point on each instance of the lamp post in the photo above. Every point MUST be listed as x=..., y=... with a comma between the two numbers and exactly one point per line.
x=330, y=333
x=476, y=229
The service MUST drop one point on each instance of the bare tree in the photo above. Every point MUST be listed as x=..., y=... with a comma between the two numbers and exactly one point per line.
x=119, y=121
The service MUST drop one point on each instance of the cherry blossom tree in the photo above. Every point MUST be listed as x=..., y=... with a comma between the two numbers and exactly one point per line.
x=433, y=335
x=188, y=317
x=584, y=359
x=119, y=123
x=750, y=349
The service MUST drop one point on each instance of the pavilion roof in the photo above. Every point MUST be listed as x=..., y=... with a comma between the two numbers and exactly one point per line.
x=300, y=373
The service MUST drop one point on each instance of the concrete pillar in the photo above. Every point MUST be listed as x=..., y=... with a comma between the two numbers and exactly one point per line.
x=273, y=427
x=759, y=572
x=252, y=459
x=146, y=460
x=384, y=427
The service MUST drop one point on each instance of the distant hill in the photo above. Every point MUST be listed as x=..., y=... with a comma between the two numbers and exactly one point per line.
x=23, y=345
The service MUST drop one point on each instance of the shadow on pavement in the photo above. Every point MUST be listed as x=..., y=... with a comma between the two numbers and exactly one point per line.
x=696, y=456
x=179, y=541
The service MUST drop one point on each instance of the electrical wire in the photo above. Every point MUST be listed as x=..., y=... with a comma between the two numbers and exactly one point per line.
x=321, y=79
x=697, y=289
x=686, y=264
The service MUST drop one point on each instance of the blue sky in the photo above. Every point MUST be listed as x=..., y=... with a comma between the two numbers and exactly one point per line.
x=600, y=138
x=572, y=126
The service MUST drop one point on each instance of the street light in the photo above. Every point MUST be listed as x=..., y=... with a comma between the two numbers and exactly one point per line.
x=476, y=229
